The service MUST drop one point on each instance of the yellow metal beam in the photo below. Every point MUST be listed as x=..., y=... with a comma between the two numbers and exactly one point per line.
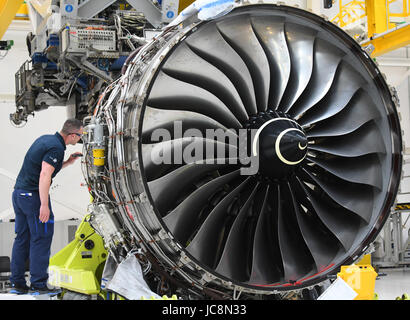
x=389, y=41
x=382, y=33
x=8, y=10
x=22, y=12
x=183, y=4
x=378, y=17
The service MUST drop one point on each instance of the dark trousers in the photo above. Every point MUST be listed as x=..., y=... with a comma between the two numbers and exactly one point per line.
x=33, y=239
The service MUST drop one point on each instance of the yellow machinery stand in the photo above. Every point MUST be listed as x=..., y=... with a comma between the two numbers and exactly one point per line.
x=79, y=266
x=361, y=278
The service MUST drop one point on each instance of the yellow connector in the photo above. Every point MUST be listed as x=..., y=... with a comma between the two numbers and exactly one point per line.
x=99, y=158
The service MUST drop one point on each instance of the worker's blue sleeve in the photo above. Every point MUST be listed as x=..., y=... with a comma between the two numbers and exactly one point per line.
x=54, y=157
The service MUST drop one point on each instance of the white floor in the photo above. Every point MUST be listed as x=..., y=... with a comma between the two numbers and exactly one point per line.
x=9, y=296
x=393, y=284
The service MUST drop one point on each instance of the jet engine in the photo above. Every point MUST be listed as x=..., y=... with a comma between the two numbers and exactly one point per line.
x=253, y=152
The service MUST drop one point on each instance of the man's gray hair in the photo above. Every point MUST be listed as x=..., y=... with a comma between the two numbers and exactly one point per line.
x=71, y=125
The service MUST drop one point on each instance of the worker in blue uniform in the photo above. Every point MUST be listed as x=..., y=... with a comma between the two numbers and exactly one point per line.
x=34, y=218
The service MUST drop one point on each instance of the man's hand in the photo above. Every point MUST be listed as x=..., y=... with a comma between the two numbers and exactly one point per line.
x=76, y=155
x=44, y=213
x=72, y=158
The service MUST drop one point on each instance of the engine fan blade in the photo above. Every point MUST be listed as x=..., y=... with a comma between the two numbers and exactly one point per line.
x=356, y=198
x=359, y=111
x=271, y=35
x=162, y=157
x=325, y=63
x=365, y=169
x=204, y=246
x=169, y=120
x=233, y=262
x=242, y=39
x=182, y=220
x=365, y=140
x=321, y=244
x=221, y=55
x=267, y=267
x=183, y=65
x=300, y=41
x=171, y=93
x=166, y=189
x=296, y=257
x=341, y=222
x=345, y=85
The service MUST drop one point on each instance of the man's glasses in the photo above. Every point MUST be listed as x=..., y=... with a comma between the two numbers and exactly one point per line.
x=77, y=134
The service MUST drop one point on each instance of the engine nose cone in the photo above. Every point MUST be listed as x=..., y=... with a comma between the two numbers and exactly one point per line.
x=282, y=146
x=291, y=146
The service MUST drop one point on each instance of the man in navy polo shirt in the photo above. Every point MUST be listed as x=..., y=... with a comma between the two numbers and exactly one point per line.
x=34, y=223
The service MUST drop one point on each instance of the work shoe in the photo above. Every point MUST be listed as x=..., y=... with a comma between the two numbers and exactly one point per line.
x=44, y=290
x=17, y=289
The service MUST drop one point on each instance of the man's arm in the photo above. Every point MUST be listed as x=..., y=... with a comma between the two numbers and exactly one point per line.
x=44, y=187
x=71, y=159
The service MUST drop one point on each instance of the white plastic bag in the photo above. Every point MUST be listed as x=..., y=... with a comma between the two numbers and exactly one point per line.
x=215, y=9
x=128, y=281
x=206, y=9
